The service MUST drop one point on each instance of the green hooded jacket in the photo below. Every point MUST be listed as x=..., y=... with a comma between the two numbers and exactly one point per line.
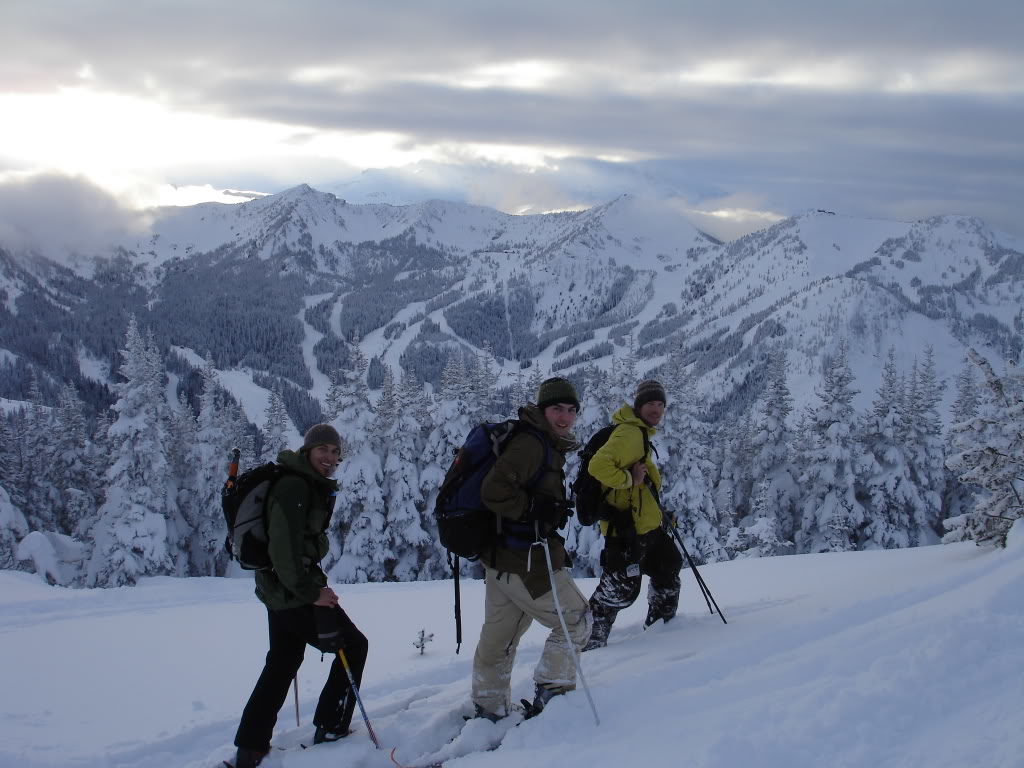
x=298, y=513
x=610, y=467
x=504, y=492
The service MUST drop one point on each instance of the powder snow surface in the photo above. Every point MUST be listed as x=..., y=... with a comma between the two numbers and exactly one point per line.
x=868, y=659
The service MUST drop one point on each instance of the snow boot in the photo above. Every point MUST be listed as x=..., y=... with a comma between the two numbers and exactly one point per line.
x=323, y=734
x=248, y=758
x=479, y=711
x=541, y=698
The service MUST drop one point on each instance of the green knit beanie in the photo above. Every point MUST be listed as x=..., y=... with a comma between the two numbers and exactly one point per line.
x=557, y=390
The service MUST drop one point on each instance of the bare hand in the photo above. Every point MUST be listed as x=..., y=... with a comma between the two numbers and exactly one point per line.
x=327, y=598
x=639, y=472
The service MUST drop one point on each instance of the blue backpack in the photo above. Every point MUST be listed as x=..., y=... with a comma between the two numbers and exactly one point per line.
x=465, y=526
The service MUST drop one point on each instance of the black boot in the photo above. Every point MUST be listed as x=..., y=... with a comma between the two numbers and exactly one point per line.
x=323, y=734
x=541, y=697
x=602, y=627
x=249, y=758
x=479, y=711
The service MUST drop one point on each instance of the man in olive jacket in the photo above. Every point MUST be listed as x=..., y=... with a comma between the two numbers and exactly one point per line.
x=526, y=491
x=635, y=541
x=301, y=608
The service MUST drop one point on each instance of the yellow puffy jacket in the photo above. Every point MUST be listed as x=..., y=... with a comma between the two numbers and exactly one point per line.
x=610, y=467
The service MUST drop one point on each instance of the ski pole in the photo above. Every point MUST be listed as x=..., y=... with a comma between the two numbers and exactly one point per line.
x=565, y=631
x=458, y=601
x=359, y=699
x=296, y=681
x=708, y=597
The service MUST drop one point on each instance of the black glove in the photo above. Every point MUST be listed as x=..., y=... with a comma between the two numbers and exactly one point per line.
x=550, y=512
x=328, y=629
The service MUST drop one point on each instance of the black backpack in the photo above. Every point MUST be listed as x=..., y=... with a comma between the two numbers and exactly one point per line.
x=244, y=502
x=589, y=496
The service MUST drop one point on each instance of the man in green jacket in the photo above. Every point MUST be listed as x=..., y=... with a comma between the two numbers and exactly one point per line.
x=301, y=608
x=635, y=541
x=526, y=491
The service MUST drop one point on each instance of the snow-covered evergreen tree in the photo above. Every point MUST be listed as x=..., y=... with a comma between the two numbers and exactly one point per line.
x=892, y=496
x=960, y=496
x=69, y=468
x=275, y=425
x=13, y=527
x=769, y=445
x=761, y=537
x=132, y=537
x=831, y=514
x=924, y=449
x=211, y=455
x=684, y=444
x=359, y=522
x=413, y=554
x=987, y=452
x=453, y=421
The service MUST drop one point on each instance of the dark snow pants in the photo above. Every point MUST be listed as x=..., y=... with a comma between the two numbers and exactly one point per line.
x=658, y=557
x=290, y=631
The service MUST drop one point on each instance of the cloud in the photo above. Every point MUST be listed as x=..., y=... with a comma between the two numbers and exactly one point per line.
x=62, y=217
x=873, y=108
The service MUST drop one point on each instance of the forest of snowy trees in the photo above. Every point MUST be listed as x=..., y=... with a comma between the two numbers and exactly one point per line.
x=138, y=493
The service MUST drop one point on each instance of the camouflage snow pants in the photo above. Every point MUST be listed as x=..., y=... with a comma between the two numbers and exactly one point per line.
x=654, y=554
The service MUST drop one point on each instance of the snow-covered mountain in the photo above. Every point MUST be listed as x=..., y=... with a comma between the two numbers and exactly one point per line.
x=280, y=286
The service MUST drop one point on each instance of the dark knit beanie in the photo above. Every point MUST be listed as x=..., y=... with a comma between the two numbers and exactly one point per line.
x=320, y=434
x=646, y=392
x=557, y=390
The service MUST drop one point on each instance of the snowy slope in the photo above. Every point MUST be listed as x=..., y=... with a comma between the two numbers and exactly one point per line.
x=866, y=660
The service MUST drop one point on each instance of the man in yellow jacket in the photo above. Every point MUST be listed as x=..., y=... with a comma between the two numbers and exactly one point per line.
x=635, y=541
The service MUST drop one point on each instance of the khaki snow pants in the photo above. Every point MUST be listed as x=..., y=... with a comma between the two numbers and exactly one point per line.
x=508, y=612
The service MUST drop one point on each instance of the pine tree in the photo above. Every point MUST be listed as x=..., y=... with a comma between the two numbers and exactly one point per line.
x=34, y=448
x=70, y=466
x=684, y=439
x=211, y=453
x=892, y=495
x=413, y=553
x=959, y=495
x=987, y=453
x=132, y=537
x=275, y=427
x=770, y=443
x=453, y=422
x=924, y=449
x=13, y=527
x=761, y=537
x=831, y=514
x=359, y=524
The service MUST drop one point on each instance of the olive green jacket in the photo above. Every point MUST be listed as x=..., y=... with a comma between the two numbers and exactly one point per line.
x=505, y=492
x=610, y=467
x=298, y=513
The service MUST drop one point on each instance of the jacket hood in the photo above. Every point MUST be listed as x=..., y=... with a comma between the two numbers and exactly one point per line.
x=532, y=415
x=626, y=415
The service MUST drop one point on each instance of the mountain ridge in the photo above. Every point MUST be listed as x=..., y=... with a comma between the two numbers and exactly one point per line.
x=560, y=290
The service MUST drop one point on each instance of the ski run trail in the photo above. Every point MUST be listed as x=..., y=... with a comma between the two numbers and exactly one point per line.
x=868, y=659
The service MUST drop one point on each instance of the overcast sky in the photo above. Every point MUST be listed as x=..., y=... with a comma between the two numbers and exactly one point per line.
x=740, y=112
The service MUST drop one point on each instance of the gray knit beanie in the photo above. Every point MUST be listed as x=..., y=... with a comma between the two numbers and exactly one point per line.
x=557, y=390
x=646, y=392
x=320, y=434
